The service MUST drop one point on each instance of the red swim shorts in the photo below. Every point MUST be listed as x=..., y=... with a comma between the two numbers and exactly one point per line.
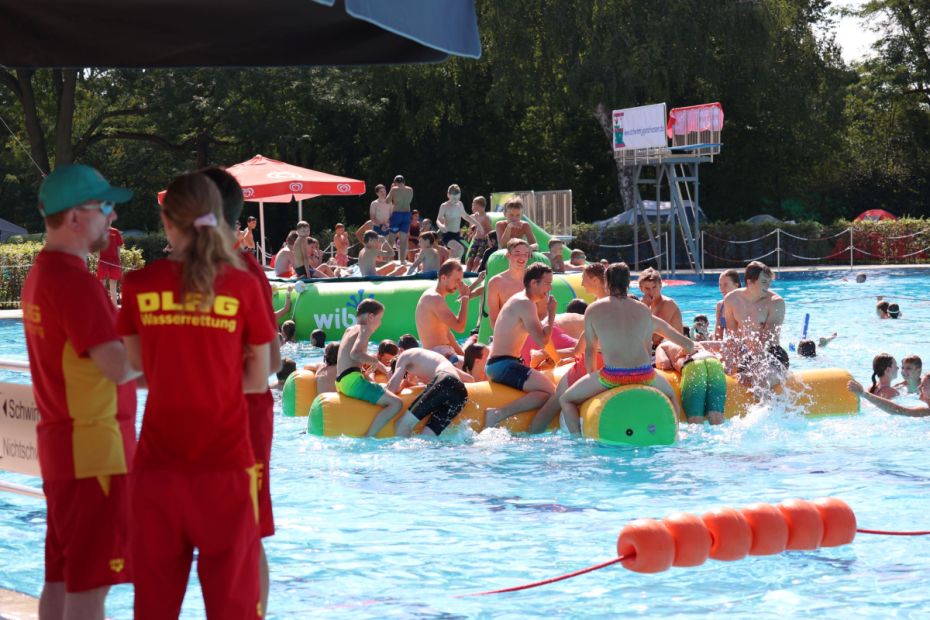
x=87, y=541
x=215, y=512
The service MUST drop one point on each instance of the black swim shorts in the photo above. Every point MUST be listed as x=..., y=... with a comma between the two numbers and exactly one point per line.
x=443, y=399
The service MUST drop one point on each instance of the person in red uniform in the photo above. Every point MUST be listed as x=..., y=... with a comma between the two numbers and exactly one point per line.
x=86, y=398
x=194, y=323
x=261, y=405
x=109, y=270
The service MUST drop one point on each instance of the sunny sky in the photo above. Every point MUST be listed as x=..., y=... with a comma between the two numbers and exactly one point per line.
x=852, y=34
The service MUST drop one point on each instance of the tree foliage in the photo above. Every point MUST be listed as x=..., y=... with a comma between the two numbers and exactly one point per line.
x=805, y=136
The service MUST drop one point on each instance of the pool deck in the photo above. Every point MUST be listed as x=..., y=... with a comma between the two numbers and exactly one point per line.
x=18, y=606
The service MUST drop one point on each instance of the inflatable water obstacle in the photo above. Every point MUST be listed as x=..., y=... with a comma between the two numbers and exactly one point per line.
x=628, y=415
x=329, y=304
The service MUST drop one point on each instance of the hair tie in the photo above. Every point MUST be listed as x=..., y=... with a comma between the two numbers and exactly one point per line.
x=206, y=220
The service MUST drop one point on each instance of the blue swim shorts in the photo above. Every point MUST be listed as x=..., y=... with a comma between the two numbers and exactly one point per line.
x=508, y=370
x=400, y=222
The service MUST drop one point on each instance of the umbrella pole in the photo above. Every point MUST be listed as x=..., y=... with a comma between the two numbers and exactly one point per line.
x=261, y=229
x=300, y=210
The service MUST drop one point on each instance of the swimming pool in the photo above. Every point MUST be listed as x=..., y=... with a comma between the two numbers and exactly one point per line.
x=385, y=529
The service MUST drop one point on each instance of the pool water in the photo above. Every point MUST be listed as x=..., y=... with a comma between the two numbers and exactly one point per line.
x=398, y=528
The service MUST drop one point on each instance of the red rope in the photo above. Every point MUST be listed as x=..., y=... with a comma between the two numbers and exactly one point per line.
x=545, y=582
x=889, y=533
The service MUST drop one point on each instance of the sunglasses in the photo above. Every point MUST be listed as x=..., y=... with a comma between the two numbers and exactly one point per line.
x=105, y=207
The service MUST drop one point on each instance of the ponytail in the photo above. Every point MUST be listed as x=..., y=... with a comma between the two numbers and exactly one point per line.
x=880, y=363
x=193, y=204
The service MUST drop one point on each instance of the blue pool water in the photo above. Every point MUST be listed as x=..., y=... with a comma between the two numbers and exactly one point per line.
x=396, y=529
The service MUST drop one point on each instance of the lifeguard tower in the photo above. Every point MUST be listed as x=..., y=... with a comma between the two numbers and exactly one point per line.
x=674, y=148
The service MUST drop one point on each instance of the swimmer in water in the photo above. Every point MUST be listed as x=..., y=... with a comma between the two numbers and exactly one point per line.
x=888, y=406
x=911, y=369
x=884, y=371
x=728, y=281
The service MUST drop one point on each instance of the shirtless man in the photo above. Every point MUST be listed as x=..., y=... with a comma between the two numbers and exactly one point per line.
x=513, y=226
x=621, y=329
x=572, y=320
x=353, y=355
x=428, y=258
x=449, y=221
x=380, y=212
x=516, y=321
x=374, y=249
x=665, y=308
x=435, y=321
x=479, y=242
x=326, y=372
x=594, y=281
x=400, y=196
x=727, y=282
x=505, y=285
x=301, y=252
x=341, y=243
x=315, y=258
x=443, y=398
x=754, y=316
x=284, y=259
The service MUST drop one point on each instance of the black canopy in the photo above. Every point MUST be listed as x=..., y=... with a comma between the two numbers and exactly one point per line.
x=177, y=33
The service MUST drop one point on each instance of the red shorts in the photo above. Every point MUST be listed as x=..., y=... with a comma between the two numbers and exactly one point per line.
x=216, y=513
x=106, y=271
x=261, y=428
x=87, y=541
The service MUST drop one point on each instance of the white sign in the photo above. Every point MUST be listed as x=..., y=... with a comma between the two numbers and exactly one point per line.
x=18, y=419
x=639, y=128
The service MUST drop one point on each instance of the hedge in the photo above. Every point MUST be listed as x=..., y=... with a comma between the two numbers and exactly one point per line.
x=17, y=258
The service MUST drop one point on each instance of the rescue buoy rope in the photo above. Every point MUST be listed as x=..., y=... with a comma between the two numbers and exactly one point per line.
x=838, y=514
x=544, y=582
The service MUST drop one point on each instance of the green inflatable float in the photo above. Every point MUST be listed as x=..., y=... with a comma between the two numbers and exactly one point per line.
x=330, y=304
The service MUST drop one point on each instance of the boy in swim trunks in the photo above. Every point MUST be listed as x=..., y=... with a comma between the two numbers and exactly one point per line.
x=911, y=369
x=622, y=329
x=341, y=243
x=380, y=212
x=400, y=196
x=353, y=355
x=443, y=398
x=301, y=251
x=449, y=220
x=517, y=320
x=428, y=259
x=513, y=226
x=479, y=240
x=703, y=381
x=375, y=249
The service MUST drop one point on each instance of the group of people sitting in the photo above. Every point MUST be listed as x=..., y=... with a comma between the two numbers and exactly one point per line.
x=393, y=242
x=618, y=339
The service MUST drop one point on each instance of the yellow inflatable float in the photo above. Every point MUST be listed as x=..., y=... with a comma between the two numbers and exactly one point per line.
x=631, y=415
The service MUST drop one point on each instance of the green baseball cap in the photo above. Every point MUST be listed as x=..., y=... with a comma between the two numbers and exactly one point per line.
x=73, y=184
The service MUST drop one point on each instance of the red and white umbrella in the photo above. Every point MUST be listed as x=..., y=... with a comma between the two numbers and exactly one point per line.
x=268, y=180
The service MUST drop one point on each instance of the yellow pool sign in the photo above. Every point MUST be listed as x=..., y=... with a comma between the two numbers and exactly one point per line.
x=19, y=416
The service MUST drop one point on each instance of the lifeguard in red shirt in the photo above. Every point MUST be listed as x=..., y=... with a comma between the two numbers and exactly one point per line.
x=83, y=387
x=261, y=405
x=109, y=269
x=194, y=324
